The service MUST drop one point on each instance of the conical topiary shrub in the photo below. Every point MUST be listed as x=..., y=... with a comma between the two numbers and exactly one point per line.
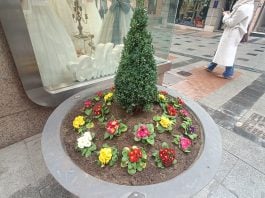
x=135, y=81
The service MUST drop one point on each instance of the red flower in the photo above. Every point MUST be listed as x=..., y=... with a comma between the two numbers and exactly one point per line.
x=97, y=109
x=100, y=94
x=167, y=156
x=135, y=154
x=171, y=110
x=163, y=93
x=88, y=103
x=181, y=101
x=112, y=126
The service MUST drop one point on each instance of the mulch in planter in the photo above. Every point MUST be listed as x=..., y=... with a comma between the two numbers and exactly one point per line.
x=115, y=174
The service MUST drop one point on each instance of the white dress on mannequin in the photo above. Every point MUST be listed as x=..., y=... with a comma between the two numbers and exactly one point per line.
x=94, y=20
x=64, y=12
x=52, y=45
x=116, y=22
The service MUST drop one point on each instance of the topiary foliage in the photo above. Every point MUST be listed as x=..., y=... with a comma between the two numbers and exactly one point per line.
x=135, y=81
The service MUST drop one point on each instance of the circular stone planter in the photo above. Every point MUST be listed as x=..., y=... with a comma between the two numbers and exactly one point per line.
x=78, y=182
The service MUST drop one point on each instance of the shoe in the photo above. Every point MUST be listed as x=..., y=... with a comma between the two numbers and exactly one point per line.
x=211, y=67
x=225, y=77
x=228, y=73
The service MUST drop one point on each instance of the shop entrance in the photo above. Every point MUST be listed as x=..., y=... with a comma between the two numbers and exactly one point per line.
x=192, y=12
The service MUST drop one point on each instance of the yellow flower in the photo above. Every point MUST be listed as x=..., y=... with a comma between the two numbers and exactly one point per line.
x=105, y=155
x=78, y=122
x=165, y=122
x=108, y=96
x=161, y=97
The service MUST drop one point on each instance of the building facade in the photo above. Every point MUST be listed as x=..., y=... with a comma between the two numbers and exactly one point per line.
x=204, y=14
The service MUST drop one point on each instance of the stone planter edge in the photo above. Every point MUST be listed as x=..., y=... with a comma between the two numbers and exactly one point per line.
x=75, y=180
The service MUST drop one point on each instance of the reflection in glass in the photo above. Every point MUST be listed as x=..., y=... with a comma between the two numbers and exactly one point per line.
x=192, y=12
x=82, y=40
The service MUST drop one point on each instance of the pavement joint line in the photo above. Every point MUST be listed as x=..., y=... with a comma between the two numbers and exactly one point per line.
x=231, y=191
x=242, y=160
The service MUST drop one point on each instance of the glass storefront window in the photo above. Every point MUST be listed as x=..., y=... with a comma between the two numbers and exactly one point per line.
x=192, y=12
x=78, y=41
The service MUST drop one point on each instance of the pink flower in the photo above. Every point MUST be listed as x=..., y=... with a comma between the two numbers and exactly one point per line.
x=142, y=132
x=184, y=112
x=185, y=143
x=88, y=103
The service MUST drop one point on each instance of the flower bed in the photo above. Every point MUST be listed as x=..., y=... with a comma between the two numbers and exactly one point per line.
x=132, y=149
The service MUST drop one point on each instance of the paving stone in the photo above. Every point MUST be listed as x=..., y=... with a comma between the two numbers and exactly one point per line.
x=228, y=138
x=190, y=49
x=225, y=120
x=245, y=181
x=215, y=190
x=250, y=152
x=15, y=169
x=28, y=192
x=212, y=186
x=228, y=162
x=36, y=158
x=236, y=110
x=55, y=191
x=171, y=79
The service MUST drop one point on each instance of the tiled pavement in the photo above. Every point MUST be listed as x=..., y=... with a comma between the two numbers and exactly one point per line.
x=237, y=106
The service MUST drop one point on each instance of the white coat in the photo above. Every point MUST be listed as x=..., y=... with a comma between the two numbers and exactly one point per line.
x=236, y=24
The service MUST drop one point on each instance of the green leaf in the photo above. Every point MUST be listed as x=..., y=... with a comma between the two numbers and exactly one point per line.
x=192, y=136
x=123, y=127
x=88, y=112
x=150, y=127
x=139, y=168
x=156, y=118
x=151, y=141
x=165, y=145
x=101, y=119
x=106, y=136
x=136, y=139
x=90, y=125
x=155, y=153
x=131, y=171
x=160, y=129
x=88, y=153
x=123, y=164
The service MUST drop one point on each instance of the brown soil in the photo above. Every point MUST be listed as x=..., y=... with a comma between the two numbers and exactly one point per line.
x=151, y=174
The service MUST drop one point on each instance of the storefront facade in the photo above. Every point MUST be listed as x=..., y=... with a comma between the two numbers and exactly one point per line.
x=205, y=15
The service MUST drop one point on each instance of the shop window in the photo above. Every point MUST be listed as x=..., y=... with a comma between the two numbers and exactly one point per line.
x=192, y=12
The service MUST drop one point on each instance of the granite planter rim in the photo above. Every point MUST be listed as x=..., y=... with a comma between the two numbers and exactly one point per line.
x=78, y=182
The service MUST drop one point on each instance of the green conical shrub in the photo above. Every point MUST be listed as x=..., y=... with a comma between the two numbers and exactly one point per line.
x=135, y=81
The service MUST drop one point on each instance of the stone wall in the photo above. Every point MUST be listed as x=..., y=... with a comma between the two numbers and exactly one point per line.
x=19, y=117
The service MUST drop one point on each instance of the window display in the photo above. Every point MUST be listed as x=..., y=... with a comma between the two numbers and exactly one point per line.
x=81, y=40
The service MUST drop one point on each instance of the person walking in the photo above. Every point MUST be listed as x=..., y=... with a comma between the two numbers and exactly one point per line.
x=236, y=26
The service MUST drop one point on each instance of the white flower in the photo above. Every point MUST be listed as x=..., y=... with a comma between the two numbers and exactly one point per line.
x=84, y=140
x=88, y=135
